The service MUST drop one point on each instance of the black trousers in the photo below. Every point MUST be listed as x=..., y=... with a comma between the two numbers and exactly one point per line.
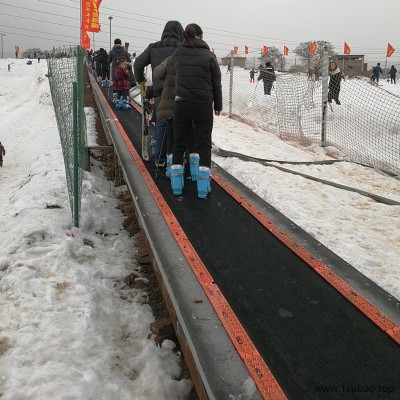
x=201, y=115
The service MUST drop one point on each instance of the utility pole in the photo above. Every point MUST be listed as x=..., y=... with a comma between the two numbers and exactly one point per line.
x=2, y=34
x=110, y=18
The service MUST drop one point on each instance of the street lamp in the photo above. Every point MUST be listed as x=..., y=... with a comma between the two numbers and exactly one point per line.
x=110, y=18
x=2, y=34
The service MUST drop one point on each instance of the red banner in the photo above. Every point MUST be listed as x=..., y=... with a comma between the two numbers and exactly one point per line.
x=346, y=49
x=313, y=48
x=90, y=16
x=390, y=50
x=85, y=41
x=246, y=50
x=265, y=50
x=285, y=50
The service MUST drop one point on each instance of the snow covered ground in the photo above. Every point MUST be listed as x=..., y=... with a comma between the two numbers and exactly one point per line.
x=69, y=326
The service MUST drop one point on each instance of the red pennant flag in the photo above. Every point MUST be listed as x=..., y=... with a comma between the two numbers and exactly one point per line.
x=16, y=49
x=285, y=51
x=390, y=50
x=85, y=41
x=265, y=50
x=235, y=49
x=346, y=49
x=313, y=48
x=90, y=16
x=246, y=50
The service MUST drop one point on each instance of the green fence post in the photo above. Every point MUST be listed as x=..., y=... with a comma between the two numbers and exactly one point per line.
x=76, y=164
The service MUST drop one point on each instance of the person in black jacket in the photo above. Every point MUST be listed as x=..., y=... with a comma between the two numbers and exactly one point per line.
x=102, y=65
x=198, y=92
x=267, y=74
x=334, y=83
x=154, y=55
x=118, y=52
x=393, y=72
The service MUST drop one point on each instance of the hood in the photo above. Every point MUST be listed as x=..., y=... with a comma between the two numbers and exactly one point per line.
x=336, y=71
x=173, y=29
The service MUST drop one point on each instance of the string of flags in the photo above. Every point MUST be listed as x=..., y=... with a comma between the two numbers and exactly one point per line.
x=265, y=50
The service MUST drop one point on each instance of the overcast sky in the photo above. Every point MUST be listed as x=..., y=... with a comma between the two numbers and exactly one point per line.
x=363, y=24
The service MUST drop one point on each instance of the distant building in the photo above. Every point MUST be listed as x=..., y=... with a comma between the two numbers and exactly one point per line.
x=352, y=65
x=238, y=61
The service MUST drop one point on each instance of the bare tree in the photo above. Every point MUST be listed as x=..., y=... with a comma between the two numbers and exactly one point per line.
x=275, y=57
x=303, y=52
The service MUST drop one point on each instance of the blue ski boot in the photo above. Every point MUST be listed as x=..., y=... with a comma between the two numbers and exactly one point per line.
x=119, y=104
x=169, y=163
x=177, y=179
x=194, y=159
x=126, y=105
x=203, y=182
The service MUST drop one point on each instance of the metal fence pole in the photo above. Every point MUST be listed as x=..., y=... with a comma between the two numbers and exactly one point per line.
x=232, y=63
x=76, y=166
x=325, y=77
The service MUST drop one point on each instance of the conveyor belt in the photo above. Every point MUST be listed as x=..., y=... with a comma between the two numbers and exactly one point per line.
x=315, y=342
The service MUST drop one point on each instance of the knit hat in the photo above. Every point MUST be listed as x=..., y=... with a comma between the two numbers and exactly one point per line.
x=117, y=41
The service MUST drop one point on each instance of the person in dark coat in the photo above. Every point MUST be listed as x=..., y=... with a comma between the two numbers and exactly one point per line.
x=154, y=55
x=102, y=65
x=198, y=95
x=334, y=83
x=393, y=72
x=166, y=72
x=117, y=53
x=2, y=154
x=267, y=74
x=376, y=72
x=252, y=72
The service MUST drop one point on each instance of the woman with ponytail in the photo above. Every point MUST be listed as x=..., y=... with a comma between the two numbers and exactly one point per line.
x=198, y=96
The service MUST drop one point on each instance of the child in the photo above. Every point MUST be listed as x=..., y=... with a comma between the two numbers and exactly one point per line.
x=121, y=84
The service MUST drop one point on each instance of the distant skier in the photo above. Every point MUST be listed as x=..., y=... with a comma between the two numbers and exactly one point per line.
x=252, y=72
x=2, y=154
x=9, y=67
x=376, y=72
x=393, y=72
x=267, y=74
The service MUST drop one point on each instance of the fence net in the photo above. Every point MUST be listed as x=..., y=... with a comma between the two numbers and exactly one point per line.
x=65, y=66
x=364, y=126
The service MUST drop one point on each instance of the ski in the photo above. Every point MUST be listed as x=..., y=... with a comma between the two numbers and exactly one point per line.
x=146, y=116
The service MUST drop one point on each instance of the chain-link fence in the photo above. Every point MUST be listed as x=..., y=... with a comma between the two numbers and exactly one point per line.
x=65, y=72
x=353, y=114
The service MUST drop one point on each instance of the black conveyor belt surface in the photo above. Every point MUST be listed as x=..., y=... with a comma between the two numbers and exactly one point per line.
x=316, y=343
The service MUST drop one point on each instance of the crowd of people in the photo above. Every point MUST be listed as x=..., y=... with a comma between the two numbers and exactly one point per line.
x=187, y=93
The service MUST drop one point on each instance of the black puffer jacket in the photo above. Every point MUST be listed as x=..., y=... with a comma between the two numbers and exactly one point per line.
x=156, y=53
x=198, y=76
